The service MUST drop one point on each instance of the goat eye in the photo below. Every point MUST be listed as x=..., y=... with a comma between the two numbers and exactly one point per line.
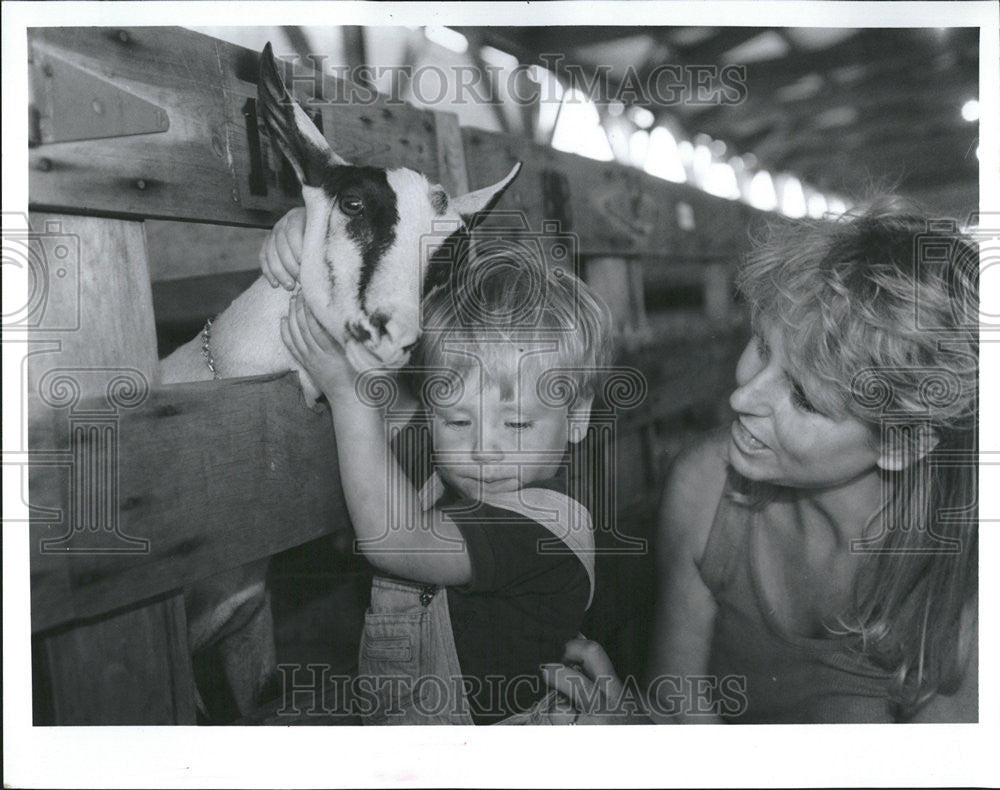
x=351, y=205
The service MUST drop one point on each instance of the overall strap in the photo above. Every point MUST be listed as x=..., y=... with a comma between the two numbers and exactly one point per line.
x=726, y=539
x=563, y=516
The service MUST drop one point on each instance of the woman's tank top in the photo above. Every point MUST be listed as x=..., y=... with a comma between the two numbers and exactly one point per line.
x=786, y=678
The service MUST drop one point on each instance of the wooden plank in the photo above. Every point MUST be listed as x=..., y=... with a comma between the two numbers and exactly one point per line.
x=609, y=277
x=179, y=250
x=200, y=168
x=450, y=153
x=104, y=682
x=212, y=474
x=718, y=291
x=97, y=305
x=96, y=353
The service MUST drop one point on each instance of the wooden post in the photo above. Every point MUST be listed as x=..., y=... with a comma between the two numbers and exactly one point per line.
x=718, y=292
x=450, y=153
x=619, y=282
x=96, y=335
x=130, y=668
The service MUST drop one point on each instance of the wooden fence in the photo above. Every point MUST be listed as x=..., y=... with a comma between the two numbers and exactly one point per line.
x=137, y=489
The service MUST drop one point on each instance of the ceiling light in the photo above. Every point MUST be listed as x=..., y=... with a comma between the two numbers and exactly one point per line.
x=970, y=110
x=642, y=117
x=663, y=158
x=447, y=38
x=498, y=57
x=762, y=194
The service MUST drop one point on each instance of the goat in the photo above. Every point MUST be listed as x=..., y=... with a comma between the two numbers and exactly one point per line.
x=365, y=262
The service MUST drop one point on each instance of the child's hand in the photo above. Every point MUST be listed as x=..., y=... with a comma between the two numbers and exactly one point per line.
x=587, y=678
x=281, y=253
x=316, y=351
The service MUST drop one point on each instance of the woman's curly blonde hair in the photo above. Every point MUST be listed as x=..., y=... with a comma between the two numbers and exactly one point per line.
x=879, y=311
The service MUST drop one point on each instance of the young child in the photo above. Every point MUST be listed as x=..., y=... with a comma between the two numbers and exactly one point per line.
x=484, y=552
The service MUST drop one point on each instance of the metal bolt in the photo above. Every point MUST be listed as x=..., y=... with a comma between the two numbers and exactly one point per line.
x=140, y=184
x=45, y=164
x=236, y=196
x=97, y=107
x=123, y=36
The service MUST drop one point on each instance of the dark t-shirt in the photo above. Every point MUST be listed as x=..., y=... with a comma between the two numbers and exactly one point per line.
x=527, y=596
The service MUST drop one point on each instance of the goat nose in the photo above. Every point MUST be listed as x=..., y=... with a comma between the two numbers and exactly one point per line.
x=356, y=331
x=379, y=321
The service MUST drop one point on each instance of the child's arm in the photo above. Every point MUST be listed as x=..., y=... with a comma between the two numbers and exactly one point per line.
x=418, y=545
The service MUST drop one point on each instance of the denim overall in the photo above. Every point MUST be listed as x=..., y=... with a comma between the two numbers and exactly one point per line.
x=407, y=655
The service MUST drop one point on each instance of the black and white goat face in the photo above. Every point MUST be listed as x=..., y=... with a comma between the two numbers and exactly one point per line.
x=369, y=232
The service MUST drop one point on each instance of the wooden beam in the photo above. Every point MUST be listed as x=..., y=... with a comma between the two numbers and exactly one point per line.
x=299, y=40
x=868, y=134
x=710, y=50
x=178, y=250
x=909, y=155
x=356, y=53
x=909, y=65
x=212, y=475
x=97, y=668
x=490, y=83
x=95, y=348
x=199, y=170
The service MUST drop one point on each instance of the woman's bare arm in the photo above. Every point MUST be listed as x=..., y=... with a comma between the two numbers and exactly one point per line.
x=685, y=608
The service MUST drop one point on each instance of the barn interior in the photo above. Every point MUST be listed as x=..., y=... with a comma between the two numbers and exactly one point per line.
x=744, y=125
x=826, y=117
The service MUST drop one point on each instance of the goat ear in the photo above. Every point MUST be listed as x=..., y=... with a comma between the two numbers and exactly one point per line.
x=297, y=136
x=474, y=206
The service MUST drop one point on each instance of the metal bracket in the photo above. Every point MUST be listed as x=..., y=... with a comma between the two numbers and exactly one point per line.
x=71, y=104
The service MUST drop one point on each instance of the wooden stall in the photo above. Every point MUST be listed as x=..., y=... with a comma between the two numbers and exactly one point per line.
x=137, y=489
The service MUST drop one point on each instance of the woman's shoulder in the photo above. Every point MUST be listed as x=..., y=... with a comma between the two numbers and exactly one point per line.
x=691, y=496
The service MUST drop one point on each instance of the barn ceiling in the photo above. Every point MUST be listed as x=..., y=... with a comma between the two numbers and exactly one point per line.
x=846, y=110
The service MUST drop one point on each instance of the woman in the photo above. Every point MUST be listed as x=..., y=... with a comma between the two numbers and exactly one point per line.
x=818, y=559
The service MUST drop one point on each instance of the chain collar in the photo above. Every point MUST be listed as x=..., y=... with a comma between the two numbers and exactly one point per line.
x=206, y=350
